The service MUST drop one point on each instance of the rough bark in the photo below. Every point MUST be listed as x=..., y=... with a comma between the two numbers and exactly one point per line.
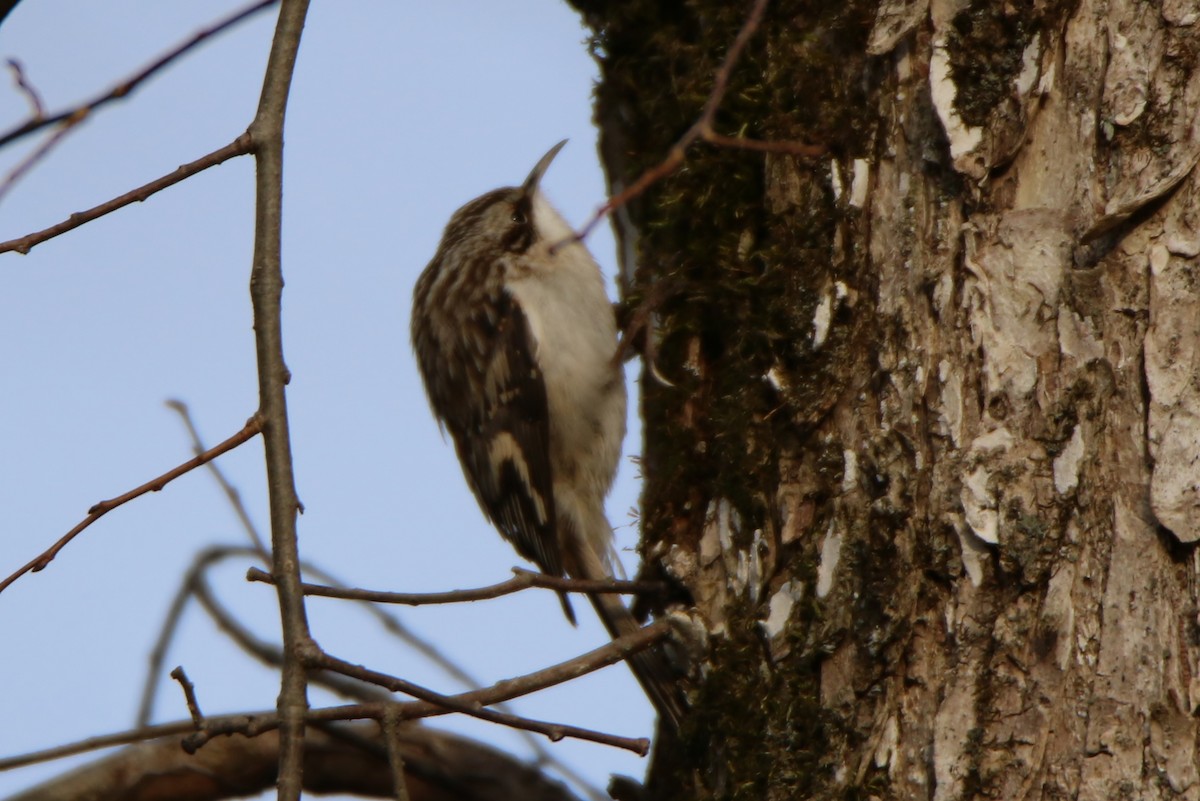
x=927, y=471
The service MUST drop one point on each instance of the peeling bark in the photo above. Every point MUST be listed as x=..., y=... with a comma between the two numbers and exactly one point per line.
x=929, y=473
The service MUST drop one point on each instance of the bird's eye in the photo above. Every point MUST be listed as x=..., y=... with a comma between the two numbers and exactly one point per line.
x=522, y=210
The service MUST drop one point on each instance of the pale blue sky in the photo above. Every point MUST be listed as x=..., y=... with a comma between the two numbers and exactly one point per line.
x=400, y=113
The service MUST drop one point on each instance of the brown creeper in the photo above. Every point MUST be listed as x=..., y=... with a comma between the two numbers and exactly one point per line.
x=515, y=340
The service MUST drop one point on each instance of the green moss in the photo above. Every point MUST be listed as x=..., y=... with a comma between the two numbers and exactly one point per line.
x=987, y=45
x=1031, y=544
x=778, y=748
x=738, y=267
x=744, y=279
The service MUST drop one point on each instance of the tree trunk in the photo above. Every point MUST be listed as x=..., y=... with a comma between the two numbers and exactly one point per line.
x=926, y=467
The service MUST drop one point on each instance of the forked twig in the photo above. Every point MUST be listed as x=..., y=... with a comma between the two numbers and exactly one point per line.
x=231, y=492
x=39, y=153
x=26, y=86
x=189, y=695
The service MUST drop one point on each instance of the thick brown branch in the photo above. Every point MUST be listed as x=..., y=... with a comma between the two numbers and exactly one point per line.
x=344, y=759
x=253, y=426
x=238, y=147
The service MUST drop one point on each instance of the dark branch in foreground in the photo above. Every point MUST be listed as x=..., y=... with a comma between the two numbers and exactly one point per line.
x=342, y=759
x=523, y=580
x=253, y=426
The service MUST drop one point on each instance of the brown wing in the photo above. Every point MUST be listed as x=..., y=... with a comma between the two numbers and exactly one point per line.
x=494, y=407
x=506, y=449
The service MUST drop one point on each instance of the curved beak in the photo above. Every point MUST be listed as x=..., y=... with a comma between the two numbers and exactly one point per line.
x=535, y=176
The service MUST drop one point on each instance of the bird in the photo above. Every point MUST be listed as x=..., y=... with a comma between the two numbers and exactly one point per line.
x=516, y=343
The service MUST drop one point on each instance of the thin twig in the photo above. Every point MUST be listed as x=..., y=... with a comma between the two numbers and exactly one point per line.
x=523, y=580
x=189, y=695
x=270, y=654
x=195, y=583
x=127, y=86
x=253, y=426
x=702, y=130
x=553, y=731
x=393, y=625
x=231, y=492
x=266, y=292
x=39, y=153
x=106, y=741
x=238, y=147
x=470, y=703
x=166, y=633
x=27, y=88
x=200, y=563
x=253, y=723
x=765, y=145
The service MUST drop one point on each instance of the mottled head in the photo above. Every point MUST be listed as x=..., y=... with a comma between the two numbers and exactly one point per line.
x=506, y=220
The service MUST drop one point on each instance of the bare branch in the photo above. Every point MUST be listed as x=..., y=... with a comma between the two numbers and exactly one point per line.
x=127, y=737
x=270, y=654
x=189, y=695
x=266, y=291
x=253, y=426
x=231, y=492
x=470, y=703
x=127, y=86
x=194, y=582
x=523, y=580
x=158, y=653
x=238, y=147
x=554, y=731
x=253, y=723
x=342, y=759
x=39, y=153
